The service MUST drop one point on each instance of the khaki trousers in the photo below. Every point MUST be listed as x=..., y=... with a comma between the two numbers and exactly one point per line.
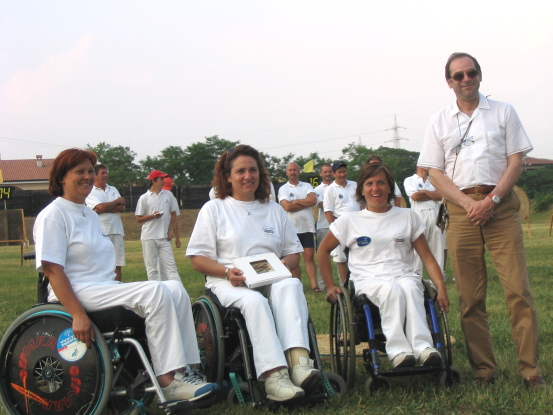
x=503, y=239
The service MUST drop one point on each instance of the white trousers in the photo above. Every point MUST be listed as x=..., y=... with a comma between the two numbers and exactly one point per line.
x=401, y=304
x=166, y=307
x=276, y=318
x=159, y=253
x=434, y=237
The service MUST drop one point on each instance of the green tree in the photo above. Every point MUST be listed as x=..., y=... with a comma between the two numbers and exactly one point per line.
x=402, y=163
x=200, y=158
x=120, y=162
x=537, y=181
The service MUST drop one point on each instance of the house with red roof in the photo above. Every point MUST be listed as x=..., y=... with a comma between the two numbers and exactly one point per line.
x=30, y=174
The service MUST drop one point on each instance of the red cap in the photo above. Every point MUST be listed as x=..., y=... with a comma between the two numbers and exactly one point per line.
x=168, y=185
x=155, y=174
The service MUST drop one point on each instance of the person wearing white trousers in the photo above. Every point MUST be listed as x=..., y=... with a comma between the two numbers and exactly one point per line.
x=79, y=261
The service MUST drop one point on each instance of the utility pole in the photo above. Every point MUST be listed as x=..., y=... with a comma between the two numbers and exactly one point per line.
x=396, y=138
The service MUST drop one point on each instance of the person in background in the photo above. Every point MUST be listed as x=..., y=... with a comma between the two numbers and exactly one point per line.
x=297, y=199
x=322, y=222
x=424, y=199
x=155, y=211
x=473, y=150
x=106, y=201
x=339, y=199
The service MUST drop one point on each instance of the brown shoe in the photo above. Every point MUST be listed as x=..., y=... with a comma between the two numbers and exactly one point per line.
x=535, y=382
x=483, y=381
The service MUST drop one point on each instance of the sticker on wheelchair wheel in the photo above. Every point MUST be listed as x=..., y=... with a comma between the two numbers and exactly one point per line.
x=69, y=347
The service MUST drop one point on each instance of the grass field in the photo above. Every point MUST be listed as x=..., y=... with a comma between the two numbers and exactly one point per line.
x=419, y=395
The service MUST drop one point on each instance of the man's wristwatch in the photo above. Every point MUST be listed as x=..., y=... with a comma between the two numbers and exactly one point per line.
x=496, y=199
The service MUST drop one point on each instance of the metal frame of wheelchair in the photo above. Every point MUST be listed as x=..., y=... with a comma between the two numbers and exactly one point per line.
x=355, y=320
x=44, y=369
x=227, y=358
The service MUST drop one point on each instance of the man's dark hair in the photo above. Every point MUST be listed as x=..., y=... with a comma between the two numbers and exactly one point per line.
x=456, y=55
x=99, y=167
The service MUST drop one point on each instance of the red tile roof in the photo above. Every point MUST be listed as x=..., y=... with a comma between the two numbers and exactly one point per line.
x=25, y=170
x=533, y=160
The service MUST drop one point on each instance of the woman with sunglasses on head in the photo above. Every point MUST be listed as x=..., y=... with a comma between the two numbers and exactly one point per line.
x=382, y=240
x=79, y=261
x=242, y=221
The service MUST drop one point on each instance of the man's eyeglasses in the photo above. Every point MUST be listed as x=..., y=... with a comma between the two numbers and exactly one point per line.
x=471, y=73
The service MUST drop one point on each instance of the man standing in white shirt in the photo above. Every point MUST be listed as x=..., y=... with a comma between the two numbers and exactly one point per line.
x=424, y=200
x=473, y=150
x=297, y=198
x=339, y=199
x=322, y=222
x=155, y=211
x=106, y=201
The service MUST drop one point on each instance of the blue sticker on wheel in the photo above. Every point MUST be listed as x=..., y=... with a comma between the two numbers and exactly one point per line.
x=69, y=347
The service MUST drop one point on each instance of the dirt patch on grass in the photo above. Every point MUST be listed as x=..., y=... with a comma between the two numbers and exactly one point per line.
x=187, y=219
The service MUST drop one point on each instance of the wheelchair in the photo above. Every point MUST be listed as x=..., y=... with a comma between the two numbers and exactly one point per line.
x=355, y=320
x=227, y=358
x=45, y=370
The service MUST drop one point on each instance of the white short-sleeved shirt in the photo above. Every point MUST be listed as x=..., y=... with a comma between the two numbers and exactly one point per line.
x=414, y=184
x=70, y=235
x=340, y=200
x=224, y=231
x=302, y=220
x=151, y=202
x=111, y=222
x=380, y=244
x=495, y=133
x=322, y=221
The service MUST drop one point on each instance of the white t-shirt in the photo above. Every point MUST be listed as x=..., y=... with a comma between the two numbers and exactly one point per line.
x=224, y=231
x=302, y=220
x=70, y=235
x=495, y=133
x=322, y=221
x=380, y=244
x=111, y=222
x=340, y=200
x=151, y=202
x=413, y=184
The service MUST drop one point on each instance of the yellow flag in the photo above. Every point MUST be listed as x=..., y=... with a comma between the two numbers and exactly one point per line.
x=309, y=167
x=1, y=177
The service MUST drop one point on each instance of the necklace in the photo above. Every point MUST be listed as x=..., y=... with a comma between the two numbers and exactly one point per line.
x=248, y=211
x=79, y=206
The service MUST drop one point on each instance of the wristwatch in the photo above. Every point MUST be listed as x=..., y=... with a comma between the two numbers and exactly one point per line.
x=496, y=199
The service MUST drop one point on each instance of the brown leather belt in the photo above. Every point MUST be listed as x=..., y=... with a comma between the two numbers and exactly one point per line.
x=479, y=190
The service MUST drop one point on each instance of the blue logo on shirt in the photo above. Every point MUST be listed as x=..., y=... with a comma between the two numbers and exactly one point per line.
x=363, y=241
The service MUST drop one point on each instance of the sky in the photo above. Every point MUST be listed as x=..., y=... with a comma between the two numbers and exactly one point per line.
x=284, y=76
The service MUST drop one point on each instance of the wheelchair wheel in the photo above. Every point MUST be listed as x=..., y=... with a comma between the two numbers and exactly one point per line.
x=209, y=330
x=379, y=384
x=342, y=338
x=447, y=380
x=45, y=370
x=337, y=384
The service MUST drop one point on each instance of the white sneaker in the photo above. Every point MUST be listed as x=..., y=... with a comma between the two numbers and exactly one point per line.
x=279, y=387
x=403, y=359
x=189, y=386
x=305, y=375
x=430, y=357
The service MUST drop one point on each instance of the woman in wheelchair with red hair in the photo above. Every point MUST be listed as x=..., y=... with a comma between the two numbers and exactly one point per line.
x=79, y=262
x=382, y=240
